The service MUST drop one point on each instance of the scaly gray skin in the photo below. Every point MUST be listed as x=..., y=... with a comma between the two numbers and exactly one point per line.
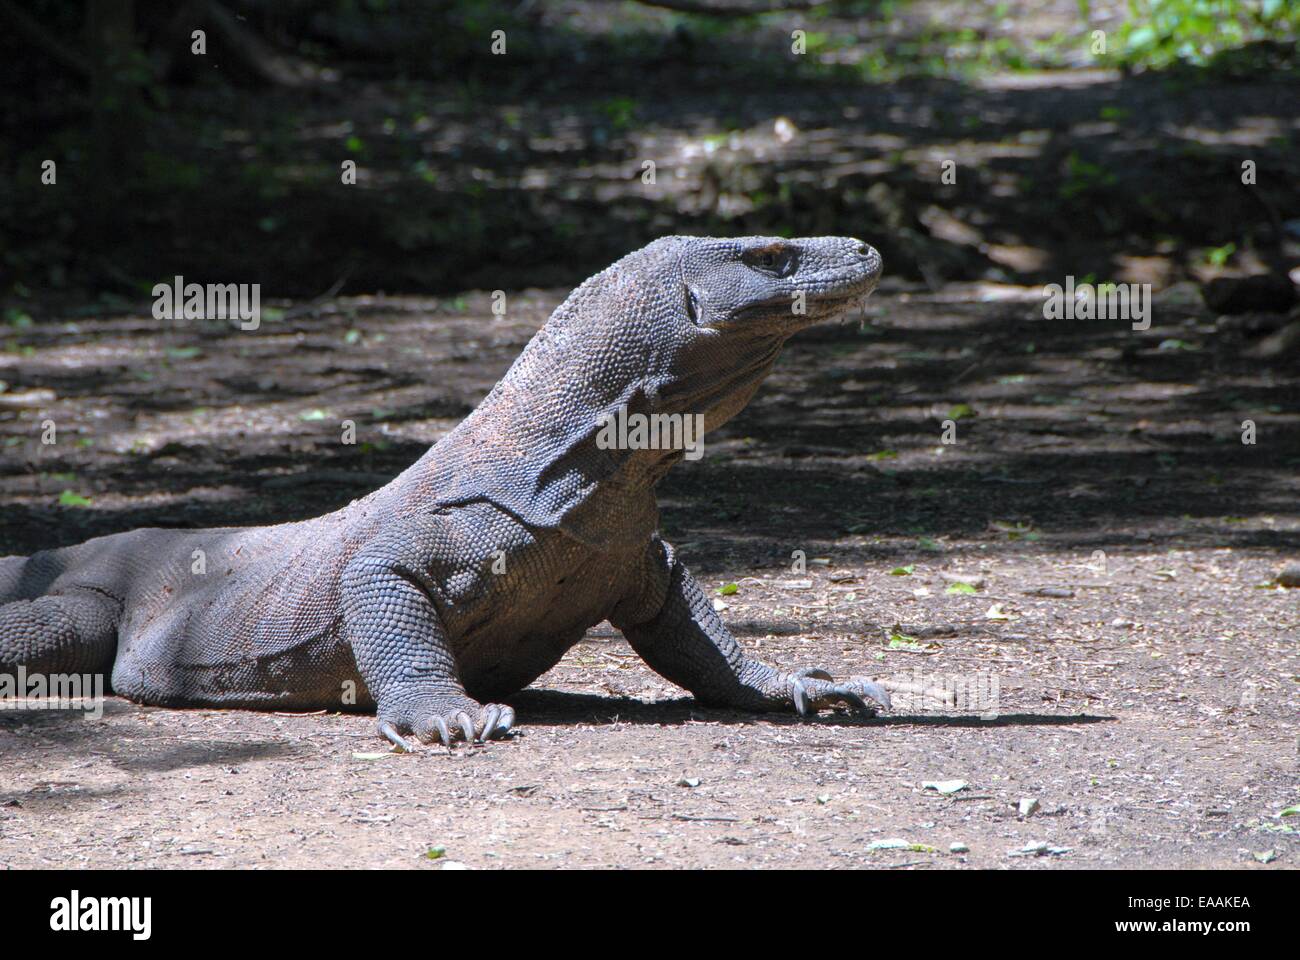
x=471, y=573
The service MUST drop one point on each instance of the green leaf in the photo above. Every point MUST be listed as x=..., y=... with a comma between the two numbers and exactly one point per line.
x=1292, y=811
x=69, y=499
x=903, y=571
x=960, y=587
x=727, y=589
x=1218, y=256
x=1141, y=38
x=883, y=455
x=961, y=412
x=925, y=543
x=436, y=853
x=901, y=641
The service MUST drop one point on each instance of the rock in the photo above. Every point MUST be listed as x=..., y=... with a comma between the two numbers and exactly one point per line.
x=958, y=848
x=893, y=843
x=1181, y=298
x=1285, y=341
x=1038, y=849
x=1029, y=806
x=1289, y=576
x=945, y=786
x=1265, y=292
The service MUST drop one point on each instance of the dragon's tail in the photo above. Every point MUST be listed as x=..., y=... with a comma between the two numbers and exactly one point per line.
x=74, y=631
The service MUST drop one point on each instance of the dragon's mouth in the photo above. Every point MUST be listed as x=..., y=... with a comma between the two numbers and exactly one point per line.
x=817, y=307
x=857, y=280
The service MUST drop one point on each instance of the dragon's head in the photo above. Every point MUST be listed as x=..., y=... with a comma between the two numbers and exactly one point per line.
x=725, y=307
x=767, y=287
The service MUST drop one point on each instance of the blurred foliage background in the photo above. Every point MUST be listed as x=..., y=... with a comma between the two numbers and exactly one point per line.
x=1119, y=161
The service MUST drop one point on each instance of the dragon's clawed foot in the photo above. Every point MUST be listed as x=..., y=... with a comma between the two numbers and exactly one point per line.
x=813, y=689
x=444, y=719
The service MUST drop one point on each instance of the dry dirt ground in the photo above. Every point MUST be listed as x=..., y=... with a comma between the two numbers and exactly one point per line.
x=1123, y=659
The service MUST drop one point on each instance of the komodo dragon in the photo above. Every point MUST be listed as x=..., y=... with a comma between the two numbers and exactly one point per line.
x=470, y=574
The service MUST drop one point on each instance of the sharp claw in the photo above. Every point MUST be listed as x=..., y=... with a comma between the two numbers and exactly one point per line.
x=389, y=732
x=814, y=673
x=466, y=723
x=800, y=697
x=874, y=691
x=443, y=733
x=854, y=700
x=507, y=720
x=489, y=721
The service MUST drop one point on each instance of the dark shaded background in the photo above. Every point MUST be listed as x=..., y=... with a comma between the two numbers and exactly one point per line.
x=482, y=171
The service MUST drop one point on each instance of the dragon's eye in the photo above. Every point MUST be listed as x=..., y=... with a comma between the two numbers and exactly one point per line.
x=777, y=261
